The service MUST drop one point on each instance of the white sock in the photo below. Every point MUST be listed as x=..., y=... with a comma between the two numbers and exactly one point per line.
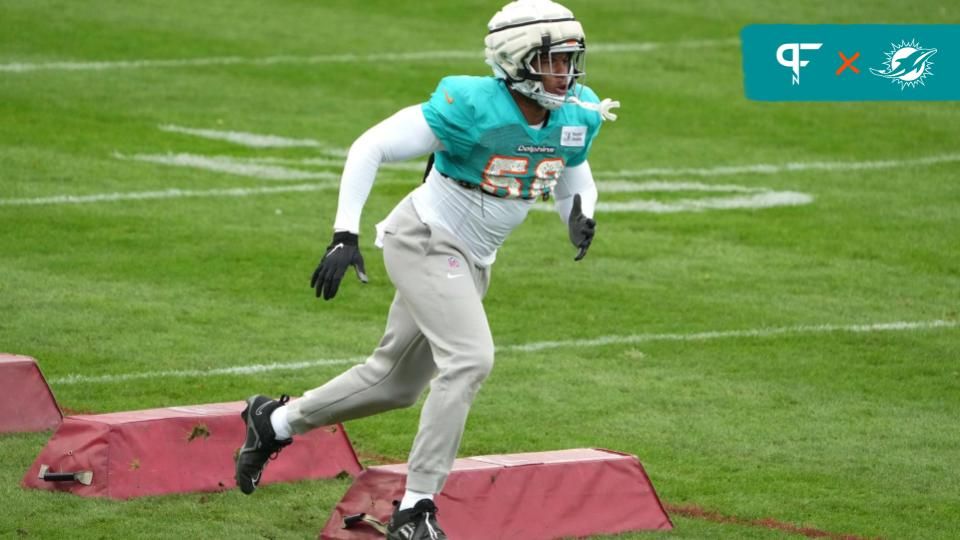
x=410, y=498
x=281, y=428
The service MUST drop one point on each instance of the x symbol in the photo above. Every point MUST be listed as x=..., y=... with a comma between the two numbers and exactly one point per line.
x=848, y=62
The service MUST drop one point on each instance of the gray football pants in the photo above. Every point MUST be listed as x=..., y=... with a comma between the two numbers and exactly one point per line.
x=436, y=326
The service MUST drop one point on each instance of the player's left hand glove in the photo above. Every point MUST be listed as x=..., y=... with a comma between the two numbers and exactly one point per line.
x=342, y=253
x=581, y=228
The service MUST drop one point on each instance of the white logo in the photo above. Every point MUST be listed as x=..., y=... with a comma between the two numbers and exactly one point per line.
x=573, y=136
x=536, y=149
x=907, y=64
x=454, y=276
x=795, y=63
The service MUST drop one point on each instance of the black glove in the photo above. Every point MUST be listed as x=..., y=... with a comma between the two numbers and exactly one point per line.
x=342, y=253
x=581, y=227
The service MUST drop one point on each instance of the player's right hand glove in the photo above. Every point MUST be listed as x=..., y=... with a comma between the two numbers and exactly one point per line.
x=581, y=228
x=342, y=253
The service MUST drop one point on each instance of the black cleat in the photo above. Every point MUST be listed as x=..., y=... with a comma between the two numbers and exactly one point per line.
x=261, y=444
x=417, y=523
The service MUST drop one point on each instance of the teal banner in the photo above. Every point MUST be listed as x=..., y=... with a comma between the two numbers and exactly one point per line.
x=857, y=62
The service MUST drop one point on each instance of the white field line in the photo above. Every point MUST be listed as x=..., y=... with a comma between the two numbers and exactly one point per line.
x=304, y=162
x=769, y=199
x=529, y=347
x=259, y=140
x=753, y=198
x=629, y=186
x=423, y=56
x=272, y=141
x=231, y=166
x=655, y=45
x=716, y=171
x=754, y=333
x=167, y=194
x=175, y=193
x=251, y=140
x=767, y=168
x=759, y=200
x=237, y=370
x=338, y=163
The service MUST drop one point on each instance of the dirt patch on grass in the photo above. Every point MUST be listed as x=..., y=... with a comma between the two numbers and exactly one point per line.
x=695, y=512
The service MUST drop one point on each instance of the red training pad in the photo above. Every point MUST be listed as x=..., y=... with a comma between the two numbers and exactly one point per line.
x=176, y=450
x=26, y=402
x=534, y=496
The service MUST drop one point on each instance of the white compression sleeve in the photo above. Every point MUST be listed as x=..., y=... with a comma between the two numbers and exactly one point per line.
x=575, y=180
x=404, y=135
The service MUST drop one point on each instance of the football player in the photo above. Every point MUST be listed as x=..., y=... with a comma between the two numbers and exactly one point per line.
x=497, y=144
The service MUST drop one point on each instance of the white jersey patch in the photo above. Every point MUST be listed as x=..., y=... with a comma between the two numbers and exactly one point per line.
x=573, y=136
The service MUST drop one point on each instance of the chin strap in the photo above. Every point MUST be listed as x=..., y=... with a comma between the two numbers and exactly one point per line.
x=603, y=107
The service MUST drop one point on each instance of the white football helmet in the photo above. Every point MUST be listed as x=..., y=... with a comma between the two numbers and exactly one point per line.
x=522, y=40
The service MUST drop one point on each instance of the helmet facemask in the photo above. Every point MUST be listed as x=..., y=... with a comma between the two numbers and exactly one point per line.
x=551, y=73
x=523, y=41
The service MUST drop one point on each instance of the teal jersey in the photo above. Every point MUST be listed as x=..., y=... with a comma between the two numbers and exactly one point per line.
x=487, y=141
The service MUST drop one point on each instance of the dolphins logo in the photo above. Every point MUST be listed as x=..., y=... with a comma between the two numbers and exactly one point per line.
x=907, y=64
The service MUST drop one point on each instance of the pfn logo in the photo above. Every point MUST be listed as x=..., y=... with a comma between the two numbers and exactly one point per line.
x=794, y=62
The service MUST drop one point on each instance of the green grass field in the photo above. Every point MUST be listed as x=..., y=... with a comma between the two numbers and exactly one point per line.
x=752, y=365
